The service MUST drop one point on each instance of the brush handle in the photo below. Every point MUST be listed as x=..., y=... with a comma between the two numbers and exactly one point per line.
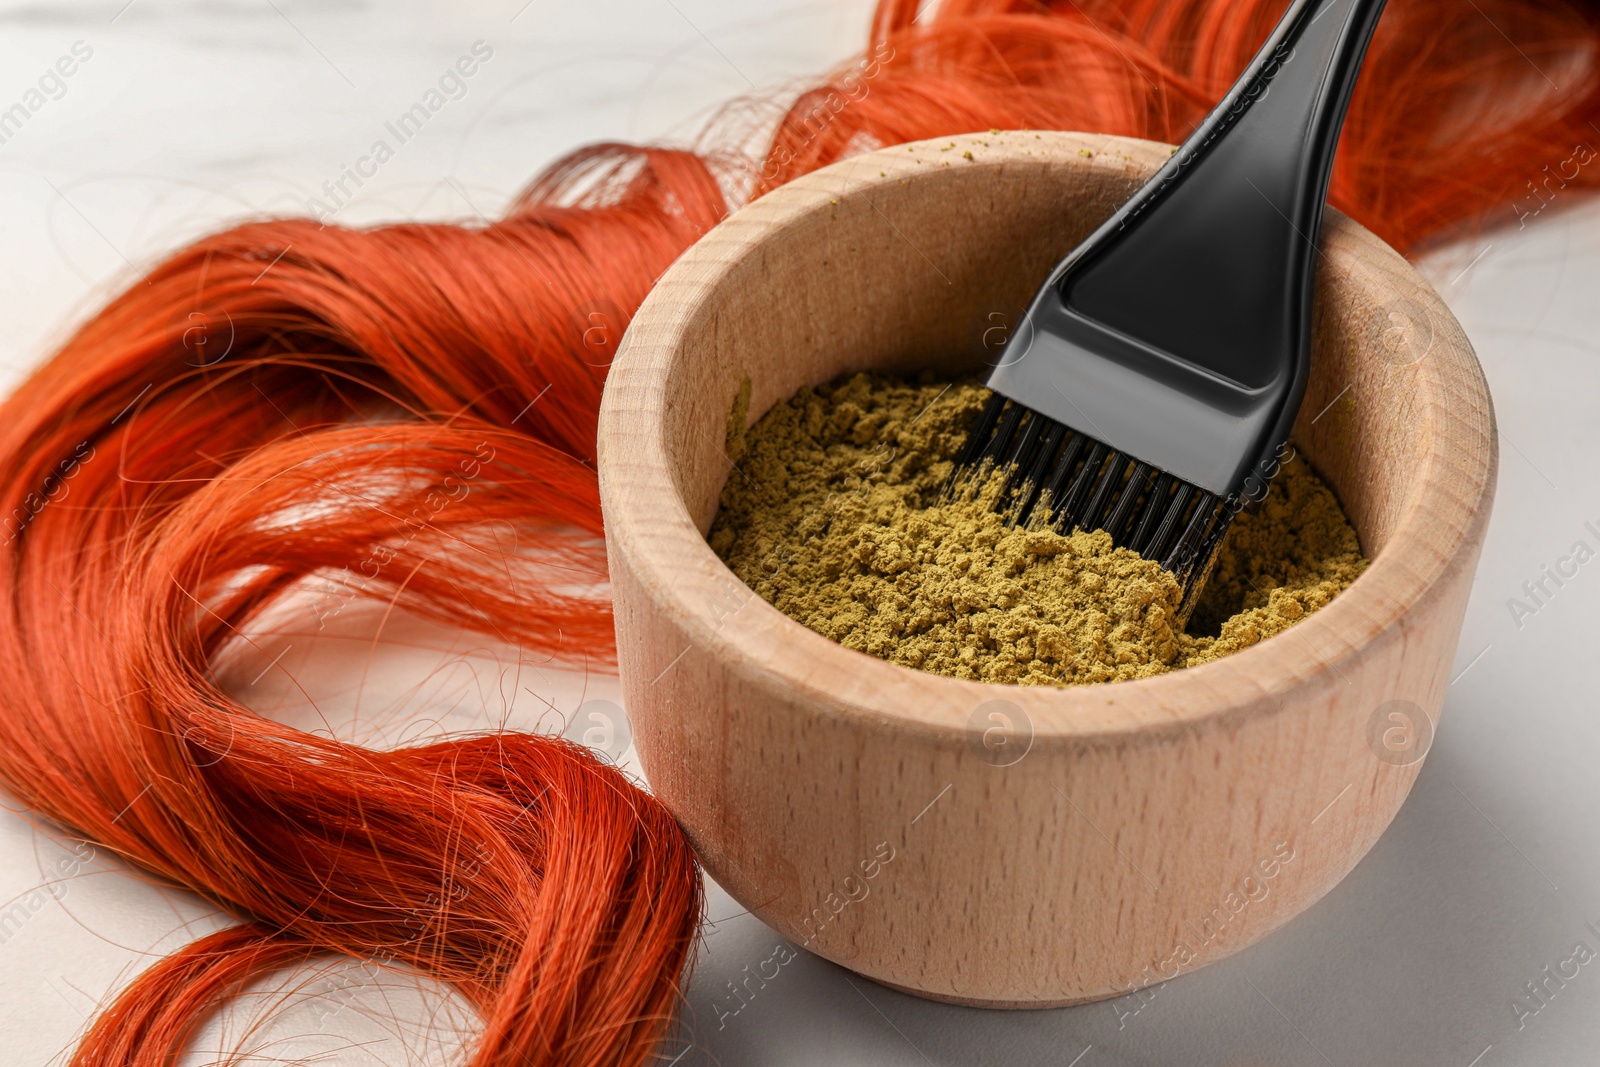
x=1213, y=260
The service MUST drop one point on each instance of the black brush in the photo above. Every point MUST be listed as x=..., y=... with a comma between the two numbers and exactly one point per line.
x=1155, y=377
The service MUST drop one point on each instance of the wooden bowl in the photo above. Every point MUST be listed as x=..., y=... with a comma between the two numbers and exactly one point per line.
x=992, y=844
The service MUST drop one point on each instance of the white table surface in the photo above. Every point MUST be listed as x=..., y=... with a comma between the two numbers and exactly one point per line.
x=190, y=115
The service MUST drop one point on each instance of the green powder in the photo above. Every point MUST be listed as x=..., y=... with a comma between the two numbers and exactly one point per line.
x=836, y=517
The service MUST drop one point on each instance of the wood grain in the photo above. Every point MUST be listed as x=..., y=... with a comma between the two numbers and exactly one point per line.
x=1088, y=840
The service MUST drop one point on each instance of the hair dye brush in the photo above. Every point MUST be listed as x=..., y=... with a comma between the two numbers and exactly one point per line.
x=1155, y=377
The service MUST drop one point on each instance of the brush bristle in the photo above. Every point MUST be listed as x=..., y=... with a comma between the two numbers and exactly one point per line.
x=1059, y=478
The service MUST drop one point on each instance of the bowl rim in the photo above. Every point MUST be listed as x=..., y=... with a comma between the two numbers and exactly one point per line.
x=647, y=520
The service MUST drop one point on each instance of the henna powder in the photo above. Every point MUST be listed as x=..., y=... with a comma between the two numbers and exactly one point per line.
x=834, y=514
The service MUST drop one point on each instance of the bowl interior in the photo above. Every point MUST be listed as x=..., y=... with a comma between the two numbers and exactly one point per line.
x=893, y=278
x=923, y=259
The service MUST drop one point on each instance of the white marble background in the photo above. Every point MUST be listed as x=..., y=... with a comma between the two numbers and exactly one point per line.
x=192, y=115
